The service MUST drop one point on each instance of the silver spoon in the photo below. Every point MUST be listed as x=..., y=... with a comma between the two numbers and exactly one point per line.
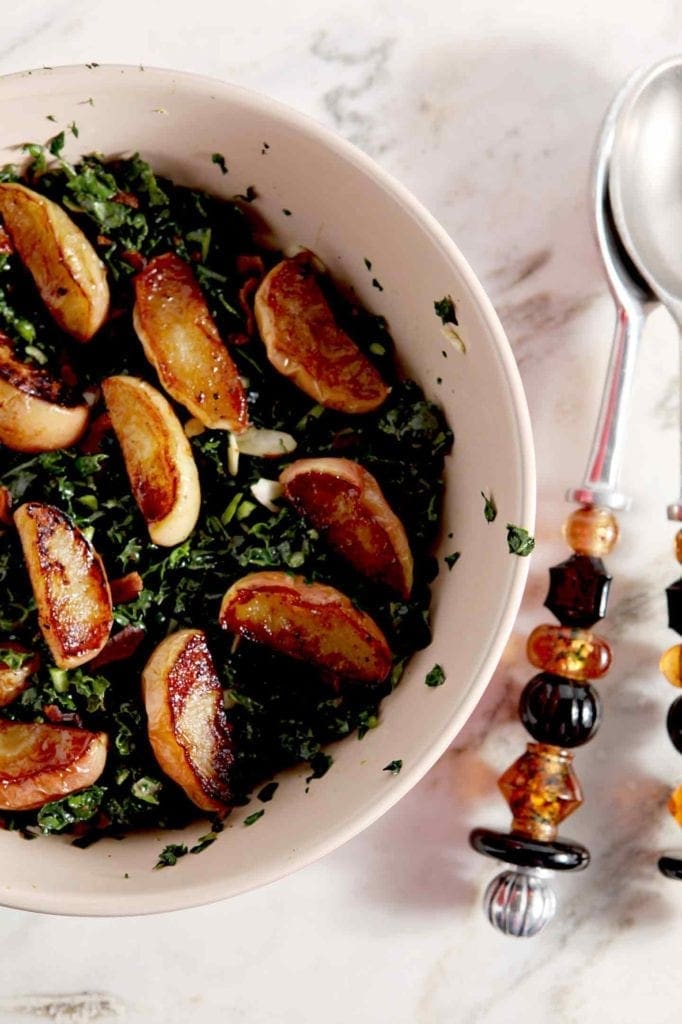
x=634, y=301
x=646, y=188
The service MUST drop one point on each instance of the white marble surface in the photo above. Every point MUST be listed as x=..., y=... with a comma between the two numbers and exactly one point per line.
x=487, y=111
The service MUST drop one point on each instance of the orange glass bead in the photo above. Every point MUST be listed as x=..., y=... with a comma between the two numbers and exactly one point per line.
x=678, y=545
x=541, y=790
x=675, y=804
x=591, y=531
x=671, y=665
x=575, y=653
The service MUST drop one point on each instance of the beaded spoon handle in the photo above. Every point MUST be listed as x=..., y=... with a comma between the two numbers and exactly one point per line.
x=560, y=707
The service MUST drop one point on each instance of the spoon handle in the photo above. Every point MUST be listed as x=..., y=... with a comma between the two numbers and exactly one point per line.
x=599, y=487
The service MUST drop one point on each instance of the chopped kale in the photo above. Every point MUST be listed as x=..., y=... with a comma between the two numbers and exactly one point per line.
x=446, y=310
x=436, y=677
x=170, y=855
x=252, y=818
x=519, y=540
x=219, y=159
x=489, y=508
x=267, y=792
x=393, y=767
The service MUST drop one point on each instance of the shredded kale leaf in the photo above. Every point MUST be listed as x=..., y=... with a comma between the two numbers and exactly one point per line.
x=436, y=677
x=281, y=712
x=489, y=508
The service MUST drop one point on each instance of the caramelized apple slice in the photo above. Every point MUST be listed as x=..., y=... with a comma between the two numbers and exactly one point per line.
x=158, y=458
x=182, y=343
x=187, y=725
x=66, y=269
x=342, y=499
x=308, y=621
x=17, y=665
x=305, y=343
x=69, y=584
x=40, y=763
x=36, y=413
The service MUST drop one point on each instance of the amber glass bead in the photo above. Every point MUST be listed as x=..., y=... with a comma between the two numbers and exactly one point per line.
x=568, y=652
x=674, y=596
x=530, y=853
x=671, y=665
x=678, y=545
x=578, y=591
x=591, y=531
x=675, y=804
x=560, y=711
x=541, y=790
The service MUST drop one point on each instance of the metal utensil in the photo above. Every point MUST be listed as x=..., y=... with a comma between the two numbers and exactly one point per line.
x=645, y=187
x=634, y=301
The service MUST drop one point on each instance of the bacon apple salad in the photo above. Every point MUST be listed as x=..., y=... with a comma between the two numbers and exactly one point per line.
x=217, y=503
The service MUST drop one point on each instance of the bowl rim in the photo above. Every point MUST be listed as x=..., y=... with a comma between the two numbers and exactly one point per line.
x=213, y=891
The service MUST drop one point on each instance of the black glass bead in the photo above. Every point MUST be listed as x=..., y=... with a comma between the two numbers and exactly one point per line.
x=560, y=711
x=674, y=595
x=670, y=865
x=530, y=853
x=578, y=591
x=674, y=724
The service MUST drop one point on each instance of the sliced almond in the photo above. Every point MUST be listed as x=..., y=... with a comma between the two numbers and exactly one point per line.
x=67, y=271
x=69, y=584
x=309, y=621
x=304, y=342
x=181, y=341
x=40, y=763
x=14, y=680
x=344, y=501
x=35, y=413
x=187, y=725
x=158, y=458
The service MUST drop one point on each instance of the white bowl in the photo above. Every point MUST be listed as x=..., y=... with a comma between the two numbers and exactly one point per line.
x=345, y=208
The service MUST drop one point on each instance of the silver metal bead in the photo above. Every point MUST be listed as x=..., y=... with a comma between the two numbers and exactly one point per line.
x=519, y=902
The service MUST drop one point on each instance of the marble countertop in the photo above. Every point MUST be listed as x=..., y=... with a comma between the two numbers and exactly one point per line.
x=487, y=111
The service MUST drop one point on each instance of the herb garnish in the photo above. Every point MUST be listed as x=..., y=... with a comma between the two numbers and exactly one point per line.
x=436, y=677
x=490, y=508
x=445, y=309
x=203, y=842
x=393, y=767
x=170, y=855
x=268, y=791
x=519, y=540
x=451, y=560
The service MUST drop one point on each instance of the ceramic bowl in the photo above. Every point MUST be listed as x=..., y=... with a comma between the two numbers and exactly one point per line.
x=345, y=208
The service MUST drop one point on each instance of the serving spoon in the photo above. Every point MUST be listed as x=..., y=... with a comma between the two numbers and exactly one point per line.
x=634, y=299
x=645, y=188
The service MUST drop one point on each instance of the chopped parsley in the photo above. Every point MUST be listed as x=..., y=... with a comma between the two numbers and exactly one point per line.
x=445, y=309
x=519, y=540
x=203, y=842
x=267, y=792
x=368, y=263
x=453, y=559
x=250, y=819
x=287, y=213
x=219, y=159
x=393, y=767
x=489, y=508
x=377, y=284
x=436, y=677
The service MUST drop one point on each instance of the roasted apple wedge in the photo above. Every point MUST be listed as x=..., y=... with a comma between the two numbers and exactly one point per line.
x=188, y=728
x=309, y=621
x=66, y=269
x=158, y=458
x=344, y=501
x=181, y=341
x=69, y=584
x=40, y=763
x=304, y=342
x=37, y=413
x=17, y=665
